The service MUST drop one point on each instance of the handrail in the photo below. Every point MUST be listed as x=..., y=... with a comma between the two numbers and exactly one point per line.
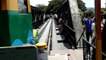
x=103, y=54
x=37, y=24
x=80, y=37
x=84, y=39
x=88, y=42
x=49, y=40
x=40, y=33
x=93, y=46
x=69, y=27
x=70, y=33
x=45, y=33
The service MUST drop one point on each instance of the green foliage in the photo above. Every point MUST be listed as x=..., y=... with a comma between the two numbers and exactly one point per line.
x=88, y=12
x=41, y=7
x=103, y=10
x=81, y=5
x=54, y=5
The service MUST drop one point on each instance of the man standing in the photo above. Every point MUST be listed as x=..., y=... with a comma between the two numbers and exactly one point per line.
x=88, y=27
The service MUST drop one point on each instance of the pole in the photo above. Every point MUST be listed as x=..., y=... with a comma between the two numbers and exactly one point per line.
x=98, y=30
x=105, y=4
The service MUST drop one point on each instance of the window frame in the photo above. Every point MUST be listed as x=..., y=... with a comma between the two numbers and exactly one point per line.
x=23, y=11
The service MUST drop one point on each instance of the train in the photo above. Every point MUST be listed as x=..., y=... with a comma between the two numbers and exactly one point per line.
x=15, y=22
x=16, y=27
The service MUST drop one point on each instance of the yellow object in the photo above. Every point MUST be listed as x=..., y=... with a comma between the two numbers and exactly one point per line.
x=29, y=7
x=12, y=5
x=34, y=33
x=41, y=45
x=83, y=26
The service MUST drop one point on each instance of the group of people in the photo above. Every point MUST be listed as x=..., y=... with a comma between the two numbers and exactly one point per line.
x=89, y=26
x=59, y=23
x=58, y=20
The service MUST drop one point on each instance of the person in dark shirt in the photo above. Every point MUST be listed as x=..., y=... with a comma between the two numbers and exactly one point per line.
x=60, y=25
x=88, y=27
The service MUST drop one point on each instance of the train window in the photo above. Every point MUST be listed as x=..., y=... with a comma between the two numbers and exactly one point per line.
x=22, y=6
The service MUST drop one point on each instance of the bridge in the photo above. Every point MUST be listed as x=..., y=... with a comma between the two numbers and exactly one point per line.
x=50, y=39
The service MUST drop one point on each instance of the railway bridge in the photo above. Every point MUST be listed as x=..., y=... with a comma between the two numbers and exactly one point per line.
x=47, y=40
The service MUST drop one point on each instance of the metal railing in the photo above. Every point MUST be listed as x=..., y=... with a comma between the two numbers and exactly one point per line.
x=37, y=24
x=49, y=41
x=69, y=35
x=92, y=55
x=43, y=28
x=45, y=34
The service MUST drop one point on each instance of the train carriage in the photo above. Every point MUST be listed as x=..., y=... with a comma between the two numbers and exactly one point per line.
x=16, y=30
x=15, y=22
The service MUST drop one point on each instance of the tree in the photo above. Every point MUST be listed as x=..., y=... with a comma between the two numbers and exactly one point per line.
x=54, y=5
x=41, y=7
x=87, y=12
x=81, y=5
x=103, y=10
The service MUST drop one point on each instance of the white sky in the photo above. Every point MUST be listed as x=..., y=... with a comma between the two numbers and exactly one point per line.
x=35, y=2
x=90, y=3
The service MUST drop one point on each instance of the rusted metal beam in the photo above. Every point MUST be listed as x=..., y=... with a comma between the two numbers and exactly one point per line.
x=98, y=30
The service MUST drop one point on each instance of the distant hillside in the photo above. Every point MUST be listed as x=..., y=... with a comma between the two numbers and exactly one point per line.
x=91, y=8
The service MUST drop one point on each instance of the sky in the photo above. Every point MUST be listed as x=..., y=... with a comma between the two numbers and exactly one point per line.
x=90, y=3
x=35, y=2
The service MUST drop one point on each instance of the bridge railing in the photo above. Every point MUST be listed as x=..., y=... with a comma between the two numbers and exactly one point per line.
x=69, y=35
x=92, y=54
x=45, y=34
x=37, y=24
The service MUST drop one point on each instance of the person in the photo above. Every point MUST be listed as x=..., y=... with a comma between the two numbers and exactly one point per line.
x=94, y=29
x=104, y=36
x=88, y=27
x=56, y=18
x=60, y=25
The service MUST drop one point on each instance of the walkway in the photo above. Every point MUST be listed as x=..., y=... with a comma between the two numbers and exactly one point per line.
x=61, y=49
x=66, y=55
x=58, y=40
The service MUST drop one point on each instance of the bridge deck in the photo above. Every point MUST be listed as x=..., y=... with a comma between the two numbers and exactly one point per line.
x=66, y=55
x=62, y=50
x=58, y=40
